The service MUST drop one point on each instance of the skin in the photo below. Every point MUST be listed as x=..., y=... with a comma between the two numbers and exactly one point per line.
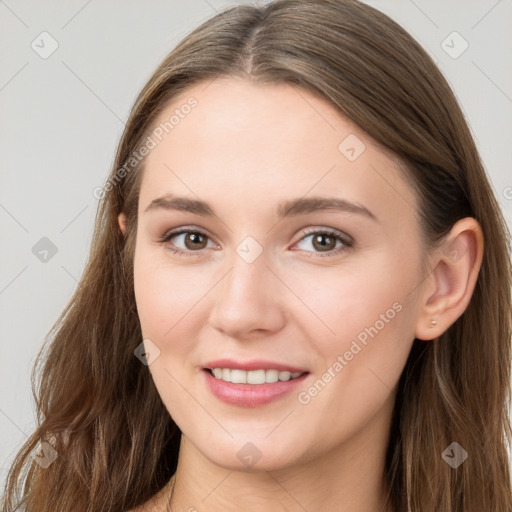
x=244, y=149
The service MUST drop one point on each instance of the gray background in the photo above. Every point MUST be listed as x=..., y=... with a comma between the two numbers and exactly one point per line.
x=61, y=118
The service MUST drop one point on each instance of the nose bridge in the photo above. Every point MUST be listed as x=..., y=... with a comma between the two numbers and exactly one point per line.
x=245, y=300
x=248, y=280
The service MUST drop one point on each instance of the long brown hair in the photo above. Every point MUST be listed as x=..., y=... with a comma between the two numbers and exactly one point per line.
x=97, y=406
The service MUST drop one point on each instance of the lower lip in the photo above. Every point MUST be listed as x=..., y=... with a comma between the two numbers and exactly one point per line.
x=251, y=395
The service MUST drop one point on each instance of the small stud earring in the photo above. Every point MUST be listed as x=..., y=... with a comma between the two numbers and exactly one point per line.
x=433, y=323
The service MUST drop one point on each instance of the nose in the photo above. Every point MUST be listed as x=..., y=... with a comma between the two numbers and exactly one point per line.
x=249, y=300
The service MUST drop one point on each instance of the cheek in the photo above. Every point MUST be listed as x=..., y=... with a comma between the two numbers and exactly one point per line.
x=169, y=306
x=357, y=367
x=165, y=294
x=348, y=301
x=362, y=326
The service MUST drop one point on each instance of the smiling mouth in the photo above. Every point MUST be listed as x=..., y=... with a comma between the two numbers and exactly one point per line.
x=255, y=377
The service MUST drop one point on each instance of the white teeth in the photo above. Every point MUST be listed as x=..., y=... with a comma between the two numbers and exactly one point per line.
x=238, y=377
x=253, y=376
x=270, y=376
x=284, y=375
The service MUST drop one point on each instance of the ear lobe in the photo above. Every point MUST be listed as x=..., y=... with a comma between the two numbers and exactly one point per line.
x=121, y=220
x=450, y=286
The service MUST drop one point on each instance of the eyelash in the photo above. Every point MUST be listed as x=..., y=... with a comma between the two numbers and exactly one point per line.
x=347, y=243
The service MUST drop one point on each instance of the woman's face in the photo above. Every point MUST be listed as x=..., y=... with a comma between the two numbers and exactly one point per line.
x=274, y=280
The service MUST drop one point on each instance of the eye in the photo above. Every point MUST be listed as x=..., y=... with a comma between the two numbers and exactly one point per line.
x=194, y=241
x=325, y=241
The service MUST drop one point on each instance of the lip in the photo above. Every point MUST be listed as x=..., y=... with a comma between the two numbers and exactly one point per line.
x=255, y=364
x=250, y=395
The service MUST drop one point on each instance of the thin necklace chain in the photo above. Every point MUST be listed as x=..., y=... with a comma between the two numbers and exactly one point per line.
x=171, y=490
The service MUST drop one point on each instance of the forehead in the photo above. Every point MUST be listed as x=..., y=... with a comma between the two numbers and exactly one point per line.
x=257, y=143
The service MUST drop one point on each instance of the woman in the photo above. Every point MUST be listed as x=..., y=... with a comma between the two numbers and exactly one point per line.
x=298, y=293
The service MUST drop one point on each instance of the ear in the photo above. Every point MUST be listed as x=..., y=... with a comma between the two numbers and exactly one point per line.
x=121, y=219
x=449, y=287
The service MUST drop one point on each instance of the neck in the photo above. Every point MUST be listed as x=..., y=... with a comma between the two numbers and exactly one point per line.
x=350, y=478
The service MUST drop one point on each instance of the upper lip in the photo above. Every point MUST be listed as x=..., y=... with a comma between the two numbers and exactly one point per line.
x=255, y=364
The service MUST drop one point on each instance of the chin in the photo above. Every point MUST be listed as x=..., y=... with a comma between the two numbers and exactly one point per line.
x=252, y=453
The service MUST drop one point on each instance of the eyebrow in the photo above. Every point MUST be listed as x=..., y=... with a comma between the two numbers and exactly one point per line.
x=289, y=208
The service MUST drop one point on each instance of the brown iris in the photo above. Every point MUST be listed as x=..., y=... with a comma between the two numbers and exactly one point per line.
x=192, y=239
x=322, y=245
